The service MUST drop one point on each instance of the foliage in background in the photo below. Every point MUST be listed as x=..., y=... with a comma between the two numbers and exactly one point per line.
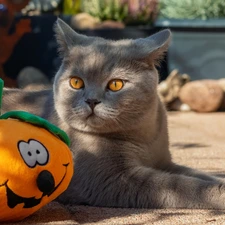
x=71, y=7
x=192, y=9
x=141, y=11
x=105, y=9
x=127, y=11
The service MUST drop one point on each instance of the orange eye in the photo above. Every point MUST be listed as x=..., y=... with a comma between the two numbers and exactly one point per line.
x=115, y=85
x=76, y=83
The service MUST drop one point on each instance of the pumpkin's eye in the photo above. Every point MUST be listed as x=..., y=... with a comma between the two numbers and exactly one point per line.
x=115, y=85
x=76, y=83
x=33, y=153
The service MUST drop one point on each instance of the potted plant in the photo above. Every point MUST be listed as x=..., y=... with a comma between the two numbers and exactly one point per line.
x=198, y=43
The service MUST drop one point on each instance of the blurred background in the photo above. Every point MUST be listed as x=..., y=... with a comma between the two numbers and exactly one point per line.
x=28, y=51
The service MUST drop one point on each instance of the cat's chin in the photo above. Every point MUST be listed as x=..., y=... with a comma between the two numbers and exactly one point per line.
x=93, y=124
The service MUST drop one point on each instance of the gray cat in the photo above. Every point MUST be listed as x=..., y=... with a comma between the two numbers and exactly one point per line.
x=105, y=97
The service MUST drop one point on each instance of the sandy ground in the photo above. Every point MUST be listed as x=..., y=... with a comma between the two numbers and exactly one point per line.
x=198, y=141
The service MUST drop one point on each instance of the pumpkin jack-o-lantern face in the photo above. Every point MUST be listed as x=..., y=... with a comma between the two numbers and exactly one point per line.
x=35, y=167
x=34, y=153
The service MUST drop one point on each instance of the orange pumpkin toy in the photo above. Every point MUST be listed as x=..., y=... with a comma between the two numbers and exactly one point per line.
x=35, y=163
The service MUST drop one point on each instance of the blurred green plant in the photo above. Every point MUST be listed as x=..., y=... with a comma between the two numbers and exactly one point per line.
x=71, y=7
x=105, y=9
x=131, y=12
x=192, y=9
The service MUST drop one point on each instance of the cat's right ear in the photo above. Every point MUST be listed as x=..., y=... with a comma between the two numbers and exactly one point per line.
x=67, y=38
x=153, y=48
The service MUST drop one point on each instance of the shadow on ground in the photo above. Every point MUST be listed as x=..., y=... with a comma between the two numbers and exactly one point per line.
x=183, y=145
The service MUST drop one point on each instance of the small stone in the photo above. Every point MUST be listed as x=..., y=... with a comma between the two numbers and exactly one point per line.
x=202, y=95
x=177, y=105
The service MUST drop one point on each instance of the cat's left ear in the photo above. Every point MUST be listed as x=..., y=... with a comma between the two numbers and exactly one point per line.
x=67, y=38
x=153, y=48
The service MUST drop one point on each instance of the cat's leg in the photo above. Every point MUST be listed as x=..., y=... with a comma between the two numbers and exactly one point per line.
x=143, y=187
x=178, y=169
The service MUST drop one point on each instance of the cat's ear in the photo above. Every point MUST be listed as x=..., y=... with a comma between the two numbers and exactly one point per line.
x=153, y=48
x=67, y=38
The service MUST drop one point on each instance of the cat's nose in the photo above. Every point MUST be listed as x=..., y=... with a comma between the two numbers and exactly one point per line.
x=92, y=103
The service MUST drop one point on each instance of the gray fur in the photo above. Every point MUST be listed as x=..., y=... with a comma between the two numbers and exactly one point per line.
x=121, y=153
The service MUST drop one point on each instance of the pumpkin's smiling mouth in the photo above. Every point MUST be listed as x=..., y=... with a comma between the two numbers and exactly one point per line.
x=13, y=199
